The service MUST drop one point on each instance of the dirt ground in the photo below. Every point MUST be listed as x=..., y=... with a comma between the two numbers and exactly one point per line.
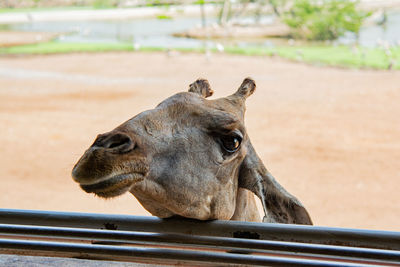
x=330, y=136
x=24, y=38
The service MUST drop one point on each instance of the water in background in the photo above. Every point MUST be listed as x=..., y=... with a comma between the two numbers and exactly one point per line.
x=158, y=32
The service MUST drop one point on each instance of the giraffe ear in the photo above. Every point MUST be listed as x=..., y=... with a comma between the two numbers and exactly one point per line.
x=201, y=87
x=246, y=89
x=279, y=205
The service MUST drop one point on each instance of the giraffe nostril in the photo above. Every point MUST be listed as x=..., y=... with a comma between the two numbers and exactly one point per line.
x=115, y=142
x=118, y=143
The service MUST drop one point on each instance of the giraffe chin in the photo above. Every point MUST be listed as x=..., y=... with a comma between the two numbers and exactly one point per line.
x=114, y=186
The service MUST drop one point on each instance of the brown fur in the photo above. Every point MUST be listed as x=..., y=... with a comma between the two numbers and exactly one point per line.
x=189, y=157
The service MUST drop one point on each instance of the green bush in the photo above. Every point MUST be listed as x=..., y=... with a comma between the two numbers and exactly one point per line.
x=323, y=19
x=105, y=3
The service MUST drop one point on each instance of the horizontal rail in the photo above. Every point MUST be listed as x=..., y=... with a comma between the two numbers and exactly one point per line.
x=133, y=253
x=233, y=244
x=244, y=245
x=263, y=231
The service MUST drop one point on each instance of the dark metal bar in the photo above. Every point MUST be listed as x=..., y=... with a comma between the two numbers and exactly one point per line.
x=279, y=232
x=246, y=245
x=132, y=254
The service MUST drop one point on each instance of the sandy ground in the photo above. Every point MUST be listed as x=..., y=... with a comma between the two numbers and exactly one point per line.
x=24, y=38
x=330, y=136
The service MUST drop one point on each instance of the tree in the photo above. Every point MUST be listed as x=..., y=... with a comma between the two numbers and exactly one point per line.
x=323, y=19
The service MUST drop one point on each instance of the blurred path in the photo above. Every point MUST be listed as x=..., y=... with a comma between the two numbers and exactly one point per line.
x=23, y=38
x=330, y=136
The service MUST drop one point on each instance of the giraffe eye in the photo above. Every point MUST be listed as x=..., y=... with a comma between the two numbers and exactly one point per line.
x=231, y=143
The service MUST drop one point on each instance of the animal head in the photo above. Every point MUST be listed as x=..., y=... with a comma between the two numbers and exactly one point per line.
x=187, y=157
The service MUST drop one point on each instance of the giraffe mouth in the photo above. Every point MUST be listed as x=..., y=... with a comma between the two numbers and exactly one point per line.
x=114, y=186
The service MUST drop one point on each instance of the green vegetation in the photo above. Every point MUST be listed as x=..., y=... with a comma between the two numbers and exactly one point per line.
x=163, y=16
x=4, y=27
x=340, y=56
x=54, y=47
x=323, y=19
x=38, y=9
x=105, y=3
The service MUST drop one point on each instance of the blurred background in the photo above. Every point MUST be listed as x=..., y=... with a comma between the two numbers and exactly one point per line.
x=325, y=118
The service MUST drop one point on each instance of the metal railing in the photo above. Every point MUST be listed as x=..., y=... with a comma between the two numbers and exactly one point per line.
x=184, y=241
